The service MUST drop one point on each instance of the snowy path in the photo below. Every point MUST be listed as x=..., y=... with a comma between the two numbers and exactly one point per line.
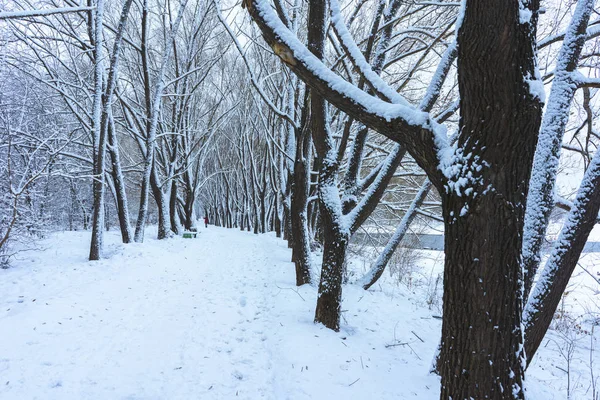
x=213, y=318
x=186, y=322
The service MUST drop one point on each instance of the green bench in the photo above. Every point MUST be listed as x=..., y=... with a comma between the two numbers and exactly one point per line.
x=190, y=235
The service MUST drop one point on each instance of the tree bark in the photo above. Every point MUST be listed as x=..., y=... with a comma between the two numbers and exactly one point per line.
x=299, y=199
x=483, y=205
x=173, y=213
x=162, y=205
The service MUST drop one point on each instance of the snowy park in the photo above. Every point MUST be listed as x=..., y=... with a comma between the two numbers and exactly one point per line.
x=299, y=199
x=220, y=317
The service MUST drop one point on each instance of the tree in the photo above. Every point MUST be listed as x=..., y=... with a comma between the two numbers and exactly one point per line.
x=582, y=217
x=103, y=99
x=479, y=181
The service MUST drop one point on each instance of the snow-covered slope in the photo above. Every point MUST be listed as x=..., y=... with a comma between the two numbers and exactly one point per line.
x=217, y=317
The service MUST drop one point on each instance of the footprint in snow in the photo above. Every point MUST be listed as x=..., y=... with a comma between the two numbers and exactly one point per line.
x=238, y=375
x=243, y=301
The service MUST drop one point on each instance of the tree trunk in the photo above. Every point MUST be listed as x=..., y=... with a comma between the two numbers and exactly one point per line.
x=73, y=206
x=276, y=217
x=173, y=213
x=189, y=207
x=162, y=204
x=483, y=204
x=287, y=223
x=263, y=212
x=335, y=242
x=299, y=201
x=120, y=188
x=99, y=137
x=335, y=237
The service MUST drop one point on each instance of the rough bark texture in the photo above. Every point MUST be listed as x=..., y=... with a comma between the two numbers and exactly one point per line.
x=335, y=242
x=481, y=354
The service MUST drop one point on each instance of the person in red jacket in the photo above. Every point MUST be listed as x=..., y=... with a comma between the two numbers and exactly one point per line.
x=206, y=221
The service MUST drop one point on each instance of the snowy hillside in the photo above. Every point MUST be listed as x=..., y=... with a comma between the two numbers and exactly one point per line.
x=218, y=317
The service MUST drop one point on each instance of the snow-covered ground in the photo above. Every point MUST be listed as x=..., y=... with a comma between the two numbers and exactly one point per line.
x=216, y=317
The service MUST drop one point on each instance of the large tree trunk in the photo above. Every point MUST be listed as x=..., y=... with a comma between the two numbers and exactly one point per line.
x=335, y=242
x=484, y=205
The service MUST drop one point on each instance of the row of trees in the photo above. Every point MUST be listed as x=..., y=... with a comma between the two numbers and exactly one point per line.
x=125, y=95
x=495, y=172
x=371, y=106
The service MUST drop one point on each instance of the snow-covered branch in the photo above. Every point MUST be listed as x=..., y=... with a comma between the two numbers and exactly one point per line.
x=42, y=13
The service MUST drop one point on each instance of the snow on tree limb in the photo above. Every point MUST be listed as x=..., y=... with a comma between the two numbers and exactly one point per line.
x=592, y=32
x=373, y=79
x=43, y=13
x=416, y=130
x=546, y=296
x=379, y=265
x=545, y=164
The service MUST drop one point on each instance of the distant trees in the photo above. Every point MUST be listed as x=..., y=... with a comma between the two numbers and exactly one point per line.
x=128, y=77
x=31, y=141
